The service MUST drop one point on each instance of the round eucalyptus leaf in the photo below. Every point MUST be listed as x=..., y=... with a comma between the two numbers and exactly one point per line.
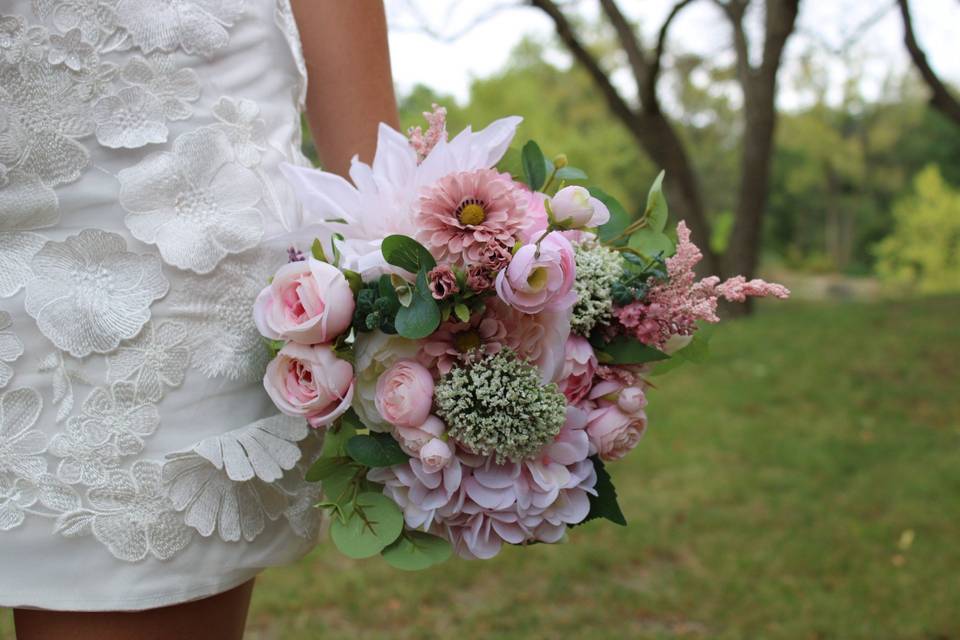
x=369, y=525
x=416, y=550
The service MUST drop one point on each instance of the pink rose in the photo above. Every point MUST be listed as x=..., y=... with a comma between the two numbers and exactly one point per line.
x=579, y=365
x=541, y=277
x=632, y=400
x=311, y=382
x=435, y=455
x=613, y=433
x=405, y=394
x=575, y=207
x=536, y=214
x=308, y=302
x=413, y=439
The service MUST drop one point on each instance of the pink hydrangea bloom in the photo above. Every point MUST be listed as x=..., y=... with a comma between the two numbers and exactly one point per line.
x=462, y=213
x=479, y=505
x=674, y=307
x=424, y=142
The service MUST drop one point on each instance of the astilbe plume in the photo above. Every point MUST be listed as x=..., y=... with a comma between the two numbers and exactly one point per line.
x=424, y=142
x=673, y=307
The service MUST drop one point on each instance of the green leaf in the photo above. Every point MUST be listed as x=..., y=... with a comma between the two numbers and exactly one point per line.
x=407, y=253
x=376, y=450
x=335, y=440
x=317, y=250
x=354, y=280
x=337, y=485
x=368, y=526
x=462, y=311
x=511, y=163
x=604, y=504
x=571, y=173
x=416, y=550
x=619, y=218
x=650, y=242
x=422, y=317
x=324, y=468
x=623, y=350
x=534, y=165
x=274, y=346
x=698, y=352
x=656, y=212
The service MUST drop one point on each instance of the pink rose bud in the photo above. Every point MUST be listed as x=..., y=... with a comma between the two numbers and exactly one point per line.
x=613, y=433
x=579, y=365
x=575, y=207
x=632, y=400
x=311, y=382
x=308, y=302
x=405, y=394
x=435, y=455
x=413, y=439
x=540, y=278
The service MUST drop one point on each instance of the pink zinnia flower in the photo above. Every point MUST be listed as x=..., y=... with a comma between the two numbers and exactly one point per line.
x=453, y=340
x=462, y=213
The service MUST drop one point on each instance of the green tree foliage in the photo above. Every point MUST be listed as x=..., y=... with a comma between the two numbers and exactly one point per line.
x=923, y=250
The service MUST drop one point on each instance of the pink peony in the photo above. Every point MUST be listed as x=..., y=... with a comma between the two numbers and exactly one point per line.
x=308, y=302
x=579, y=366
x=413, y=439
x=311, y=382
x=442, y=282
x=614, y=433
x=405, y=394
x=575, y=208
x=540, y=277
x=462, y=213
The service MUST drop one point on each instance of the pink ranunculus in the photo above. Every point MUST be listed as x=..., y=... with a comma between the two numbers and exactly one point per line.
x=413, y=439
x=541, y=277
x=405, y=394
x=435, y=455
x=308, y=302
x=580, y=363
x=576, y=208
x=614, y=433
x=311, y=382
x=536, y=215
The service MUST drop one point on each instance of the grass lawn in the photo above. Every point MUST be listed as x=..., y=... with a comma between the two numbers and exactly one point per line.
x=803, y=484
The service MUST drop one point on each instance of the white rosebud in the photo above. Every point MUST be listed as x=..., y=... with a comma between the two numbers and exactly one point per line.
x=574, y=207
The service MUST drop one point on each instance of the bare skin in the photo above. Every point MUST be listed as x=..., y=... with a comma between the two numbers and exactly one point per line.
x=350, y=92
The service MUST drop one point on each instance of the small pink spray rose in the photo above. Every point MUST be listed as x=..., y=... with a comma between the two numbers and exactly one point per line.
x=575, y=207
x=413, y=439
x=614, y=433
x=311, y=382
x=308, y=302
x=405, y=394
x=579, y=365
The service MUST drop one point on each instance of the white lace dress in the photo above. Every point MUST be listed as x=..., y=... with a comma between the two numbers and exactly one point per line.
x=141, y=464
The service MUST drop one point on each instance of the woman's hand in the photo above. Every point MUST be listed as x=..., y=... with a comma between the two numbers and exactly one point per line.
x=350, y=86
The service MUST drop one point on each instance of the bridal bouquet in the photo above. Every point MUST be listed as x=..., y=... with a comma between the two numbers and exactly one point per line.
x=474, y=330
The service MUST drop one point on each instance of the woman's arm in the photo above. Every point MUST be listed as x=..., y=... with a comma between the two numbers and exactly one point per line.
x=350, y=88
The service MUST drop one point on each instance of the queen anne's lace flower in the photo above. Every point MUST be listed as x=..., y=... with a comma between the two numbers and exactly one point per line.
x=89, y=292
x=130, y=119
x=135, y=518
x=11, y=348
x=597, y=269
x=195, y=203
x=196, y=26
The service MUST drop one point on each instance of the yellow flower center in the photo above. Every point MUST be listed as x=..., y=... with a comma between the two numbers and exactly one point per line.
x=466, y=341
x=471, y=212
x=537, y=278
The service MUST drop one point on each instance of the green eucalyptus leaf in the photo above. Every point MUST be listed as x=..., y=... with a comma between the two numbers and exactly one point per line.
x=376, y=450
x=650, y=243
x=511, y=163
x=337, y=485
x=416, y=550
x=324, y=468
x=534, y=165
x=368, y=526
x=571, y=173
x=317, y=250
x=335, y=439
x=656, y=212
x=406, y=253
x=422, y=317
x=619, y=218
x=623, y=350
